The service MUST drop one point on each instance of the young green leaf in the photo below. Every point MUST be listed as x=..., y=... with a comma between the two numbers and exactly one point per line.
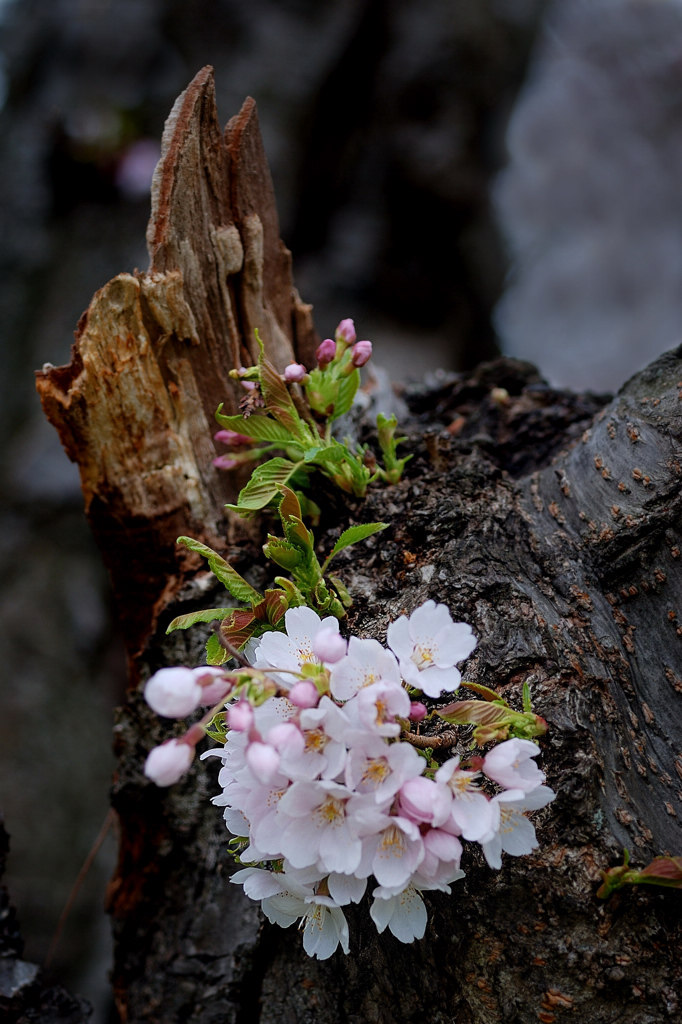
x=215, y=652
x=329, y=453
x=346, y=599
x=348, y=387
x=284, y=554
x=351, y=536
x=485, y=692
x=257, y=426
x=289, y=505
x=190, y=618
x=264, y=485
x=228, y=576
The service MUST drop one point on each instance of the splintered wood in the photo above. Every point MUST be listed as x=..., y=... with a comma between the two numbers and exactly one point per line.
x=150, y=364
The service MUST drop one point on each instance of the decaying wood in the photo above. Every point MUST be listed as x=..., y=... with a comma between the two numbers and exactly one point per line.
x=135, y=407
x=549, y=521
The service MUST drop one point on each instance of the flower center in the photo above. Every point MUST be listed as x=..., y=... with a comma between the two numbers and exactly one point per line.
x=462, y=783
x=376, y=770
x=331, y=812
x=392, y=843
x=422, y=655
x=315, y=741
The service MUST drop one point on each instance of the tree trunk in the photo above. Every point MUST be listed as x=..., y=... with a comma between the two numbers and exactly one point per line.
x=549, y=521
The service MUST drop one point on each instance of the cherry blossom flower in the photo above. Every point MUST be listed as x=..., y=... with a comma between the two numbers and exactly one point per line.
x=510, y=765
x=470, y=809
x=428, y=646
x=404, y=913
x=396, y=852
x=293, y=649
x=373, y=766
x=375, y=709
x=512, y=832
x=320, y=828
x=367, y=662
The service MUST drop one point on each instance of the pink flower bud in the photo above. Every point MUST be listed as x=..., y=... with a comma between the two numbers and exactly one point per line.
x=173, y=692
x=328, y=645
x=423, y=800
x=240, y=716
x=362, y=352
x=325, y=352
x=304, y=694
x=418, y=711
x=294, y=373
x=232, y=438
x=248, y=385
x=214, y=685
x=225, y=462
x=263, y=760
x=345, y=332
x=169, y=762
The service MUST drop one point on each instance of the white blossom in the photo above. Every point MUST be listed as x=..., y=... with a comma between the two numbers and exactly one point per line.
x=510, y=764
x=428, y=646
x=512, y=832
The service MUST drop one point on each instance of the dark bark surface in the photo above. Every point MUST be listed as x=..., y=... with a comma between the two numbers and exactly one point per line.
x=520, y=524
x=551, y=523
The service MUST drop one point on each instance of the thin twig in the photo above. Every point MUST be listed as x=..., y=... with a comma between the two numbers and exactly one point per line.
x=75, y=888
x=443, y=741
x=232, y=651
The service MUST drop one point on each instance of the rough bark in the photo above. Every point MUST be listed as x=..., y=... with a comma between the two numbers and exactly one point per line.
x=549, y=521
x=150, y=364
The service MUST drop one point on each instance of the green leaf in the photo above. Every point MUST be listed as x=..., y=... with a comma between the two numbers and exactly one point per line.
x=215, y=652
x=341, y=590
x=474, y=712
x=264, y=485
x=284, y=554
x=240, y=626
x=207, y=615
x=228, y=576
x=330, y=453
x=485, y=692
x=289, y=505
x=348, y=387
x=351, y=536
x=257, y=426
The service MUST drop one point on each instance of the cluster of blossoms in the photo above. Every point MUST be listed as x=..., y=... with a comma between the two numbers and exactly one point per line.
x=323, y=789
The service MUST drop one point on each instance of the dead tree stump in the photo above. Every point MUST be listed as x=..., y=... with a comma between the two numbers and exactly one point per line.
x=550, y=521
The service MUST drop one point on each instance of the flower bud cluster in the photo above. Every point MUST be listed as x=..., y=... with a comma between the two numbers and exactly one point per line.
x=328, y=799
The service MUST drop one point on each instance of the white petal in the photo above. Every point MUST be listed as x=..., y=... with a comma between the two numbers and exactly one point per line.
x=345, y=889
x=409, y=919
x=398, y=637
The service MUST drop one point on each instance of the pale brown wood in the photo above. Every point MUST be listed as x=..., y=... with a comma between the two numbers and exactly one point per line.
x=135, y=407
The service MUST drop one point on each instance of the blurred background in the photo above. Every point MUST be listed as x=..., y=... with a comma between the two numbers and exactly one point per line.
x=462, y=177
